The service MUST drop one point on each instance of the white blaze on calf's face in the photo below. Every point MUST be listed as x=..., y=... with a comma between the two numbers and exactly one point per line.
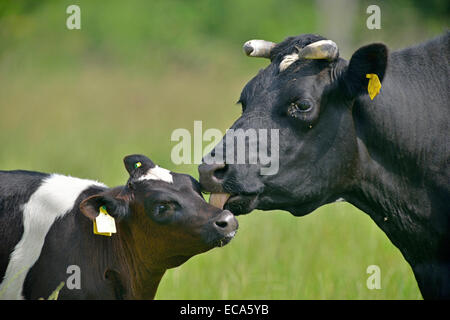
x=157, y=173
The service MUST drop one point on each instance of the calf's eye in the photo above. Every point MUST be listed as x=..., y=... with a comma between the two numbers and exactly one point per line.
x=163, y=208
x=162, y=211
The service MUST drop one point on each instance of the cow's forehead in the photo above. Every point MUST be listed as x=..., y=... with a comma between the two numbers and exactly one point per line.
x=259, y=84
x=291, y=44
x=268, y=82
x=271, y=82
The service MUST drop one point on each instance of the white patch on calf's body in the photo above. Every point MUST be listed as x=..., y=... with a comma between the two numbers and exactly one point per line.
x=157, y=173
x=52, y=200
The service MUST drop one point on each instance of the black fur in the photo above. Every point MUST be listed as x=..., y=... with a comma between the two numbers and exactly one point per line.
x=16, y=187
x=388, y=156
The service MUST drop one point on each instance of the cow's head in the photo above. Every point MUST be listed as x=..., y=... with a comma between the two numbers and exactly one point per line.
x=308, y=94
x=161, y=216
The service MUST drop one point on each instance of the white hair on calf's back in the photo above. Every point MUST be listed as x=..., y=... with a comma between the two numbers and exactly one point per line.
x=157, y=173
x=52, y=200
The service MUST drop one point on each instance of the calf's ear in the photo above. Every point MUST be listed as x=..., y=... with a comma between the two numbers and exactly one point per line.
x=116, y=207
x=370, y=59
x=137, y=165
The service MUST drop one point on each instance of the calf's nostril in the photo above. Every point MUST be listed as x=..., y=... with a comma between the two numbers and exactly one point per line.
x=221, y=224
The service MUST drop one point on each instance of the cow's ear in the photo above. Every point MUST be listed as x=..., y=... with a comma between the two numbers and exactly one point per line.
x=116, y=207
x=370, y=59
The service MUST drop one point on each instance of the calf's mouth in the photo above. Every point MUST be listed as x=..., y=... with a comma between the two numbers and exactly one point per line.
x=225, y=240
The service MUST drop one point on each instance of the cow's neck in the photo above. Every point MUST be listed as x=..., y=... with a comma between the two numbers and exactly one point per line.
x=383, y=194
x=390, y=187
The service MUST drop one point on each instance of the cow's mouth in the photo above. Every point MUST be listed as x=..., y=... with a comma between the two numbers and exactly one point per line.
x=237, y=203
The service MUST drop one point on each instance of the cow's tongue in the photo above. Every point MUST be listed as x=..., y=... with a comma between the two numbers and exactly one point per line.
x=218, y=199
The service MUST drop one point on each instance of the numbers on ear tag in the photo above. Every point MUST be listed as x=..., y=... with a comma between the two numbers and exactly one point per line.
x=104, y=224
x=374, y=85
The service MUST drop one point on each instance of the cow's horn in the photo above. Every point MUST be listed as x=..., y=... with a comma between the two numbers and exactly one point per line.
x=323, y=49
x=258, y=48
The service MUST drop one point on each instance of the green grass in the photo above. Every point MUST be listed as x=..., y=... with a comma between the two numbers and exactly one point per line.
x=277, y=256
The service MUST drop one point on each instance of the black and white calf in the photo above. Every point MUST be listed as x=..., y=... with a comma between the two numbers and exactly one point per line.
x=46, y=225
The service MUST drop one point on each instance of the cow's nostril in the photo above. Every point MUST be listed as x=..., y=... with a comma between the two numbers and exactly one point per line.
x=221, y=224
x=220, y=172
x=211, y=176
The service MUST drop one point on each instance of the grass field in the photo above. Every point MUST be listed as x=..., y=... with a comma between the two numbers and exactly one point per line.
x=83, y=122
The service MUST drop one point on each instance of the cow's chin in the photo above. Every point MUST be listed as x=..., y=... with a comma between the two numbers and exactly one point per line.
x=241, y=204
x=302, y=209
x=244, y=204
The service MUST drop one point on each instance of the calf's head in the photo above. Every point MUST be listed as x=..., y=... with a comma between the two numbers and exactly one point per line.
x=306, y=94
x=161, y=216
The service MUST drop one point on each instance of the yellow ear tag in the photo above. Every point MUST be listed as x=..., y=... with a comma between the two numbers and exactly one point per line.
x=374, y=85
x=104, y=224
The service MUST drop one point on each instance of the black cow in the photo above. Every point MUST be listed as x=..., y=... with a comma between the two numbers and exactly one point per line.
x=389, y=156
x=47, y=232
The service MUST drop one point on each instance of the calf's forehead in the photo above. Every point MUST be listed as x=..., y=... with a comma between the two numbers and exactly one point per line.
x=158, y=174
x=185, y=182
x=163, y=179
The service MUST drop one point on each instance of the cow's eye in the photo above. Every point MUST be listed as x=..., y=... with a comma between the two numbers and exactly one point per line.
x=299, y=106
x=304, y=107
x=299, y=109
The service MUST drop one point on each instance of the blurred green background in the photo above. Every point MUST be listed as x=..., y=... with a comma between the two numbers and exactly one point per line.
x=77, y=101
